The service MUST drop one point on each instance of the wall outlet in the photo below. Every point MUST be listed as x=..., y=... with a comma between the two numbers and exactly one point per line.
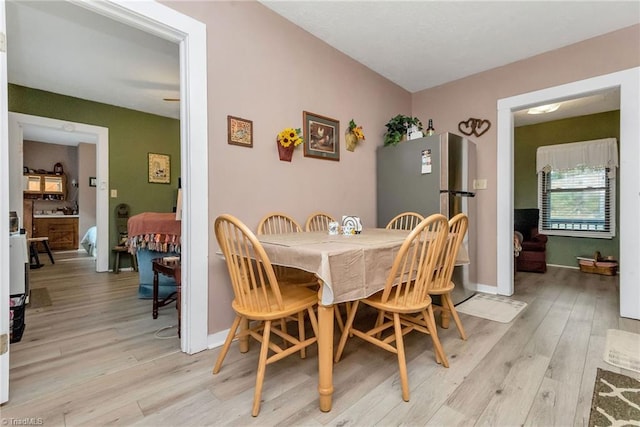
x=114, y=194
x=479, y=184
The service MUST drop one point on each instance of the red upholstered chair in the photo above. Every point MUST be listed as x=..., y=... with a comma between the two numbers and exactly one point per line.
x=533, y=256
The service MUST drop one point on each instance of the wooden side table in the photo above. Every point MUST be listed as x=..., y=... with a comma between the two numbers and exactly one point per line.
x=170, y=267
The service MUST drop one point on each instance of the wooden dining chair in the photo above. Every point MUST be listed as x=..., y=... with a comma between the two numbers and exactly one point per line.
x=442, y=284
x=405, y=221
x=405, y=292
x=283, y=223
x=318, y=221
x=278, y=222
x=259, y=297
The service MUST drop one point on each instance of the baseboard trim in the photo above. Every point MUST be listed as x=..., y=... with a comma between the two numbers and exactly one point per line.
x=563, y=266
x=217, y=339
x=487, y=289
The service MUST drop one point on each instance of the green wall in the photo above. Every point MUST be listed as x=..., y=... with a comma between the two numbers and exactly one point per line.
x=563, y=250
x=132, y=135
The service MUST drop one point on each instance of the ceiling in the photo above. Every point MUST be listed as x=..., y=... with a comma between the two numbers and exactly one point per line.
x=63, y=48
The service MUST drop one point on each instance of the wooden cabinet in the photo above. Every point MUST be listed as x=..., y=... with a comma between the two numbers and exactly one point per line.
x=62, y=232
x=47, y=187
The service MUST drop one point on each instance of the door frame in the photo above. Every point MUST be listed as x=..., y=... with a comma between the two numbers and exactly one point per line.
x=4, y=214
x=629, y=83
x=17, y=121
x=191, y=35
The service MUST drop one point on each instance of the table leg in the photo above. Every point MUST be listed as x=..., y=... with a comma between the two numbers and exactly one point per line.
x=325, y=354
x=155, y=294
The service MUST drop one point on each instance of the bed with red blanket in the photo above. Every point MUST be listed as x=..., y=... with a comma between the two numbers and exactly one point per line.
x=153, y=235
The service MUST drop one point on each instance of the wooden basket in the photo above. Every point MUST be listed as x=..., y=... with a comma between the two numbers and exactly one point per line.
x=598, y=265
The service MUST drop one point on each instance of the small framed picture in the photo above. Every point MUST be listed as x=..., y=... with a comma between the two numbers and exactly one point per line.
x=92, y=181
x=159, y=168
x=240, y=131
x=321, y=136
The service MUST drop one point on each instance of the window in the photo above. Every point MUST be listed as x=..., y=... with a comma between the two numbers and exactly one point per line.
x=576, y=189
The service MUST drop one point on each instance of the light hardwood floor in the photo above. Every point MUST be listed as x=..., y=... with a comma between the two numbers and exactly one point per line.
x=96, y=357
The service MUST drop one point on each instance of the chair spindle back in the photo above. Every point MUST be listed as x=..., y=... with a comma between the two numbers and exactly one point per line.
x=318, y=221
x=252, y=276
x=412, y=270
x=405, y=221
x=278, y=223
x=457, y=229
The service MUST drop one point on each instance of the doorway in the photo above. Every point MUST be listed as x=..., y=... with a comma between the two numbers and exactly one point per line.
x=190, y=34
x=96, y=134
x=629, y=85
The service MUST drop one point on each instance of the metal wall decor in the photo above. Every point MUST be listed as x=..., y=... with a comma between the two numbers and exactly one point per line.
x=475, y=127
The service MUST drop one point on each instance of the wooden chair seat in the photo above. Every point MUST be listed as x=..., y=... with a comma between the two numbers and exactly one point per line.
x=293, y=299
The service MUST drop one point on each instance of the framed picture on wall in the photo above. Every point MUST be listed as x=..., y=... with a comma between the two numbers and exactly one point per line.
x=321, y=136
x=240, y=131
x=159, y=168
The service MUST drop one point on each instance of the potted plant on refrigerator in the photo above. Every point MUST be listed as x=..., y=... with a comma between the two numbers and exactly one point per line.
x=397, y=128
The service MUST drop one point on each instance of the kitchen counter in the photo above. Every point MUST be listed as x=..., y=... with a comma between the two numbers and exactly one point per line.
x=56, y=216
x=62, y=230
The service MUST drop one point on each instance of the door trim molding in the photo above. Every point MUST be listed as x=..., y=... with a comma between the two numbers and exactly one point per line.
x=17, y=121
x=629, y=83
x=191, y=35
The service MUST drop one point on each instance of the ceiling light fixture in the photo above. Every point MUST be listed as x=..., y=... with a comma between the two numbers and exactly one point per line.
x=543, y=109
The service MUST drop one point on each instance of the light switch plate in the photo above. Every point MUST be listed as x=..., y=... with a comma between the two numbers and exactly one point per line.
x=479, y=184
x=114, y=194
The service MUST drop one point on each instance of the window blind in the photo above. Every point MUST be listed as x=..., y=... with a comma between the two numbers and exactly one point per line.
x=576, y=189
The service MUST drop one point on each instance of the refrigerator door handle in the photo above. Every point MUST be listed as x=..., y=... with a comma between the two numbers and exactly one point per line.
x=459, y=193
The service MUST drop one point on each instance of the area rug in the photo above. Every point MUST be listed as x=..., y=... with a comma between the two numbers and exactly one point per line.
x=622, y=349
x=492, y=307
x=616, y=400
x=39, y=297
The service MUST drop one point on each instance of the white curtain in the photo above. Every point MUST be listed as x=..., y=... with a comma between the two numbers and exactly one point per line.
x=596, y=153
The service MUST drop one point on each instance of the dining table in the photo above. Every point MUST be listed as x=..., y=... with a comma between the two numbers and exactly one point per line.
x=349, y=267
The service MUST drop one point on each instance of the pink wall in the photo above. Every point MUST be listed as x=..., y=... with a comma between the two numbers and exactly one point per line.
x=476, y=96
x=265, y=69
